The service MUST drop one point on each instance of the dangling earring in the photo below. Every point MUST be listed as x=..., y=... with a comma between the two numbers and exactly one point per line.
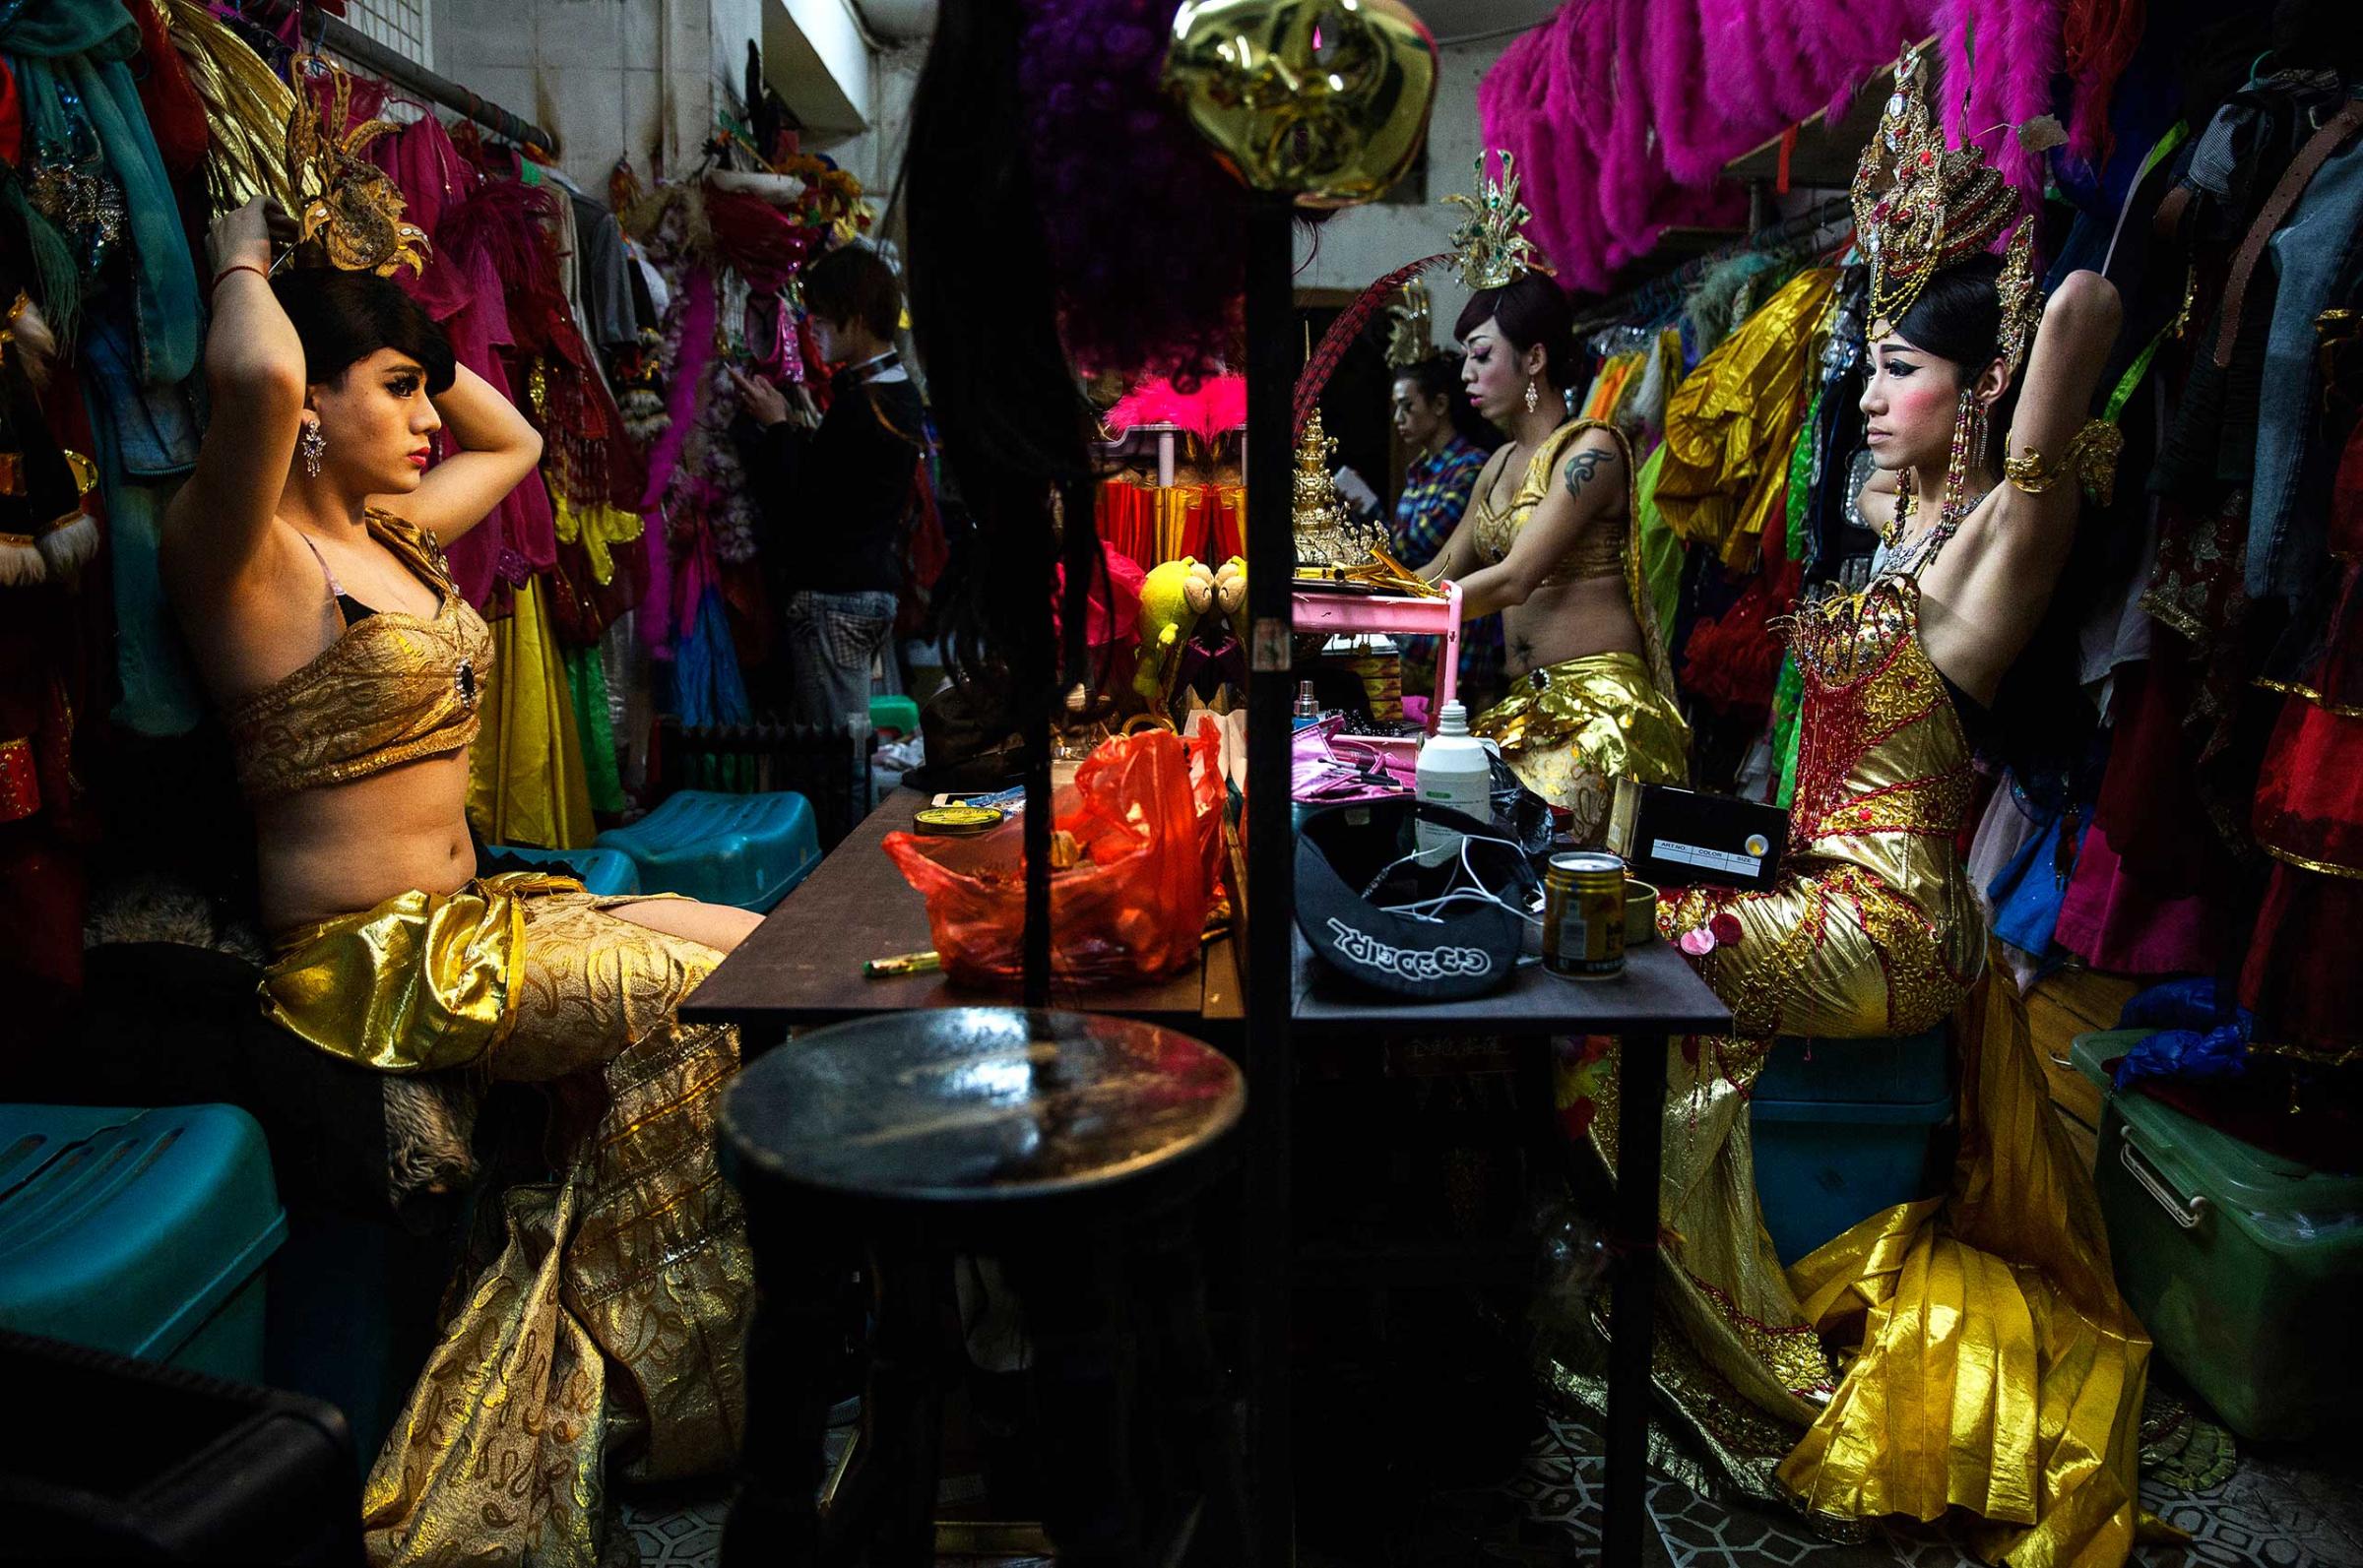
x=1533, y=397
x=313, y=445
x=1968, y=425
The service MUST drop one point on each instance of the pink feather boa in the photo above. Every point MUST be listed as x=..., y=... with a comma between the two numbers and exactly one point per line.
x=1623, y=112
x=1218, y=403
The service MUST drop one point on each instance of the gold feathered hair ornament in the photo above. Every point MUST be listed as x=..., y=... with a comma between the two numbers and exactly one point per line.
x=350, y=208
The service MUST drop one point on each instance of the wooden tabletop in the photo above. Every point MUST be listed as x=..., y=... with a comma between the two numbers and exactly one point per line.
x=1658, y=993
x=803, y=964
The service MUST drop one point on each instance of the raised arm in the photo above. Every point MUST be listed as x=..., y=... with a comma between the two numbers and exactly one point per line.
x=498, y=449
x=2072, y=347
x=1592, y=483
x=219, y=523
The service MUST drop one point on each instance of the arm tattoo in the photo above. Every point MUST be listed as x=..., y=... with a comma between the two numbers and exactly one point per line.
x=1581, y=468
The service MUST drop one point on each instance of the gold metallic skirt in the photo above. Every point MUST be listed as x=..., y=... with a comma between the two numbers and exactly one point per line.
x=1965, y=1351
x=596, y=1328
x=1570, y=731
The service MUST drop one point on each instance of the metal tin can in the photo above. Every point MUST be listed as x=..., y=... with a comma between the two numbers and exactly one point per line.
x=1583, y=915
x=956, y=822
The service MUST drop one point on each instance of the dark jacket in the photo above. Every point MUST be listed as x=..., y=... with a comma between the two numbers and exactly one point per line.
x=836, y=501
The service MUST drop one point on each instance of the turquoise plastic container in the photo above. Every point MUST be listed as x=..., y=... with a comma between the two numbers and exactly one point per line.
x=1844, y=1128
x=610, y=873
x=748, y=852
x=2245, y=1267
x=139, y=1231
x=899, y=713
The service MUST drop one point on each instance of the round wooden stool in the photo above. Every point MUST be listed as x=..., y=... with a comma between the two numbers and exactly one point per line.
x=1068, y=1145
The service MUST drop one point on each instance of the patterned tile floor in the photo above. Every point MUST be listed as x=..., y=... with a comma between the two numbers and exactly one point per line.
x=2271, y=1512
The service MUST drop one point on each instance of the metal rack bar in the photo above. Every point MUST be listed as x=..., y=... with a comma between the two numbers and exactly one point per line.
x=396, y=70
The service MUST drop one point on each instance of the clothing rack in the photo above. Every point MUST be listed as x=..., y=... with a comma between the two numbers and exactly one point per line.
x=1662, y=292
x=328, y=32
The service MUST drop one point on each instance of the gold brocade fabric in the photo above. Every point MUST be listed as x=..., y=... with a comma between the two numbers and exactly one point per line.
x=526, y=781
x=1570, y=731
x=1995, y=1368
x=1987, y=1360
x=595, y=1329
x=1874, y=928
x=392, y=689
x=1730, y=426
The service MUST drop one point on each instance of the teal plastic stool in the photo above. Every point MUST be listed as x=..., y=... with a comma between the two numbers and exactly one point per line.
x=610, y=873
x=899, y=713
x=144, y=1232
x=1844, y=1128
x=748, y=852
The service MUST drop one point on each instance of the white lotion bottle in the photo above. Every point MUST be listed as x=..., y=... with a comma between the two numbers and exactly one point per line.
x=1453, y=772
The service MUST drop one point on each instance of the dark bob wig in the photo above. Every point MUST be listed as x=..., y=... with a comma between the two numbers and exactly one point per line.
x=342, y=318
x=1530, y=310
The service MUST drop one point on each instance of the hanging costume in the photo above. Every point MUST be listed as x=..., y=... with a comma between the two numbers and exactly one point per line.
x=597, y=1328
x=1983, y=1360
x=1571, y=729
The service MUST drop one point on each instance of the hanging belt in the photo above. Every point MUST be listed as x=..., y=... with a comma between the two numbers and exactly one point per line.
x=2294, y=180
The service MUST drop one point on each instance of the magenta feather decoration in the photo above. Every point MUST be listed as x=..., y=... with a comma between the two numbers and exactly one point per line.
x=1218, y=403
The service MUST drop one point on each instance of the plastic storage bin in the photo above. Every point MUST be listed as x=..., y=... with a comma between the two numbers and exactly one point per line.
x=2245, y=1267
x=1844, y=1128
x=610, y=873
x=744, y=850
x=139, y=1231
x=109, y=1460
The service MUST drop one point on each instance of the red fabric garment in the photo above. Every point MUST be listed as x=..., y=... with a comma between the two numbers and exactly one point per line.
x=12, y=119
x=175, y=114
x=2301, y=979
x=2153, y=883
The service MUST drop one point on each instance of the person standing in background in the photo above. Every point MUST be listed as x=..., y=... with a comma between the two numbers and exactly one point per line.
x=1437, y=485
x=837, y=492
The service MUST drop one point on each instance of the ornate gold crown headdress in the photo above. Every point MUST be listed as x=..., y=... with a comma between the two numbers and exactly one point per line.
x=1408, y=339
x=1921, y=207
x=350, y=204
x=1490, y=247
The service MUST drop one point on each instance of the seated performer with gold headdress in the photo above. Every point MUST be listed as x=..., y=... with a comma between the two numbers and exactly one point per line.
x=598, y=1326
x=1971, y=1351
x=1548, y=543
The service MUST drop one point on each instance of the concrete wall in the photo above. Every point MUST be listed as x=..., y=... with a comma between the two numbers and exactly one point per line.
x=596, y=72
x=1365, y=243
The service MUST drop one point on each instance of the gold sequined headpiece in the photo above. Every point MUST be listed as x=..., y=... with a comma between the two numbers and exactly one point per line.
x=1920, y=207
x=350, y=204
x=1409, y=321
x=1491, y=248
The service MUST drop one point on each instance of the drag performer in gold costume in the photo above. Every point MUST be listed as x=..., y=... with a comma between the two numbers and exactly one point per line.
x=1547, y=540
x=595, y=1328
x=1970, y=1350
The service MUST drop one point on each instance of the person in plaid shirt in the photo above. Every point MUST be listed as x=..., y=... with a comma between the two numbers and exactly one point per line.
x=1437, y=486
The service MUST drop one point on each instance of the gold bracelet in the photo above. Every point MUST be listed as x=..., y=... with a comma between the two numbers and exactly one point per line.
x=2091, y=457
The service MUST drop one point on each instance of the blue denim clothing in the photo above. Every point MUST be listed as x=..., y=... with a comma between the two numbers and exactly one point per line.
x=832, y=640
x=2309, y=253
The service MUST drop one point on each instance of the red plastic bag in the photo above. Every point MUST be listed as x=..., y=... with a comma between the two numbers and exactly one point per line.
x=1146, y=811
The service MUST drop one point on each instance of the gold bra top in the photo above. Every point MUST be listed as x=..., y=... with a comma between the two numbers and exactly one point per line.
x=393, y=688
x=1598, y=552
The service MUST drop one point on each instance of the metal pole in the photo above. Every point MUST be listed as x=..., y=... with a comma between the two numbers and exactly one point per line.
x=400, y=71
x=1271, y=865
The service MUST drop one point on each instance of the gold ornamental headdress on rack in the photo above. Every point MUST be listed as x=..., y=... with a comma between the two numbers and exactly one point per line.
x=1410, y=320
x=1920, y=207
x=1491, y=248
x=350, y=206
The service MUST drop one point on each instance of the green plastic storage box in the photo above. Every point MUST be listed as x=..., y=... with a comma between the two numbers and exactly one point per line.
x=1844, y=1128
x=2245, y=1267
x=139, y=1231
x=748, y=852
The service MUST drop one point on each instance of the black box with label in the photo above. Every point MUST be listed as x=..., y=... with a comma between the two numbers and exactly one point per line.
x=1678, y=838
